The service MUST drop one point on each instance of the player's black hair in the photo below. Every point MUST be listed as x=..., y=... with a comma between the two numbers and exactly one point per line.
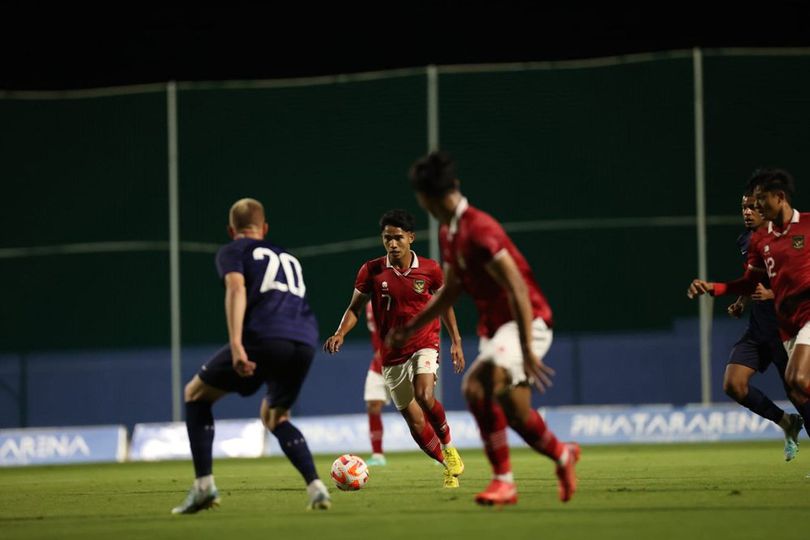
x=772, y=180
x=434, y=175
x=397, y=218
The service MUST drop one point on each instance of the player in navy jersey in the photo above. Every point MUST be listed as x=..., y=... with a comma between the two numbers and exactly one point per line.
x=514, y=325
x=775, y=243
x=273, y=334
x=760, y=345
x=398, y=286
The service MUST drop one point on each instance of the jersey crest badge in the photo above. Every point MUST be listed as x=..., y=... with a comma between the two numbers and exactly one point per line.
x=419, y=286
x=798, y=241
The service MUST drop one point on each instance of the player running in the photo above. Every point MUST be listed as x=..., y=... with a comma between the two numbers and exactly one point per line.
x=399, y=285
x=760, y=345
x=777, y=255
x=514, y=325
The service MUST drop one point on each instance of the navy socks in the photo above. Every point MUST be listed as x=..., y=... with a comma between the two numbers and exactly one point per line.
x=759, y=403
x=200, y=426
x=295, y=447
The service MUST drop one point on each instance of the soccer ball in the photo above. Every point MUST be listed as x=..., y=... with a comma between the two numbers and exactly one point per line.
x=349, y=472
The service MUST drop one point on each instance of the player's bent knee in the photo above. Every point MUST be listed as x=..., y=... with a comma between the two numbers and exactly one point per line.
x=271, y=425
x=195, y=390
x=424, y=397
x=800, y=382
x=473, y=390
x=188, y=392
x=736, y=390
x=265, y=416
x=272, y=422
x=414, y=417
x=273, y=416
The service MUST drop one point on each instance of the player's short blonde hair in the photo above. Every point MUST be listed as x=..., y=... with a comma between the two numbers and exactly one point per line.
x=246, y=213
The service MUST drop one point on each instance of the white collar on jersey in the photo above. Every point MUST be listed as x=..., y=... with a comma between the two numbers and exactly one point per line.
x=414, y=264
x=462, y=207
x=793, y=219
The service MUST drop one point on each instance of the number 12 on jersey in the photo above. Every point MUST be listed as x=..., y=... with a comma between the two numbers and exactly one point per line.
x=769, y=264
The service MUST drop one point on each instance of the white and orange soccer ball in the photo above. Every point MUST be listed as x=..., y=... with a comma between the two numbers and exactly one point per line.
x=349, y=472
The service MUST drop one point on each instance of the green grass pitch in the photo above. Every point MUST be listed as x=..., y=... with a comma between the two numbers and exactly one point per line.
x=714, y=491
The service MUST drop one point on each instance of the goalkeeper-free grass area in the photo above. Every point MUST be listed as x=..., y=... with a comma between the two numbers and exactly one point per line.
x=712, y=491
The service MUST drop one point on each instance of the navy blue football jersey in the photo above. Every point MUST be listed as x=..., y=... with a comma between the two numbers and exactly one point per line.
x=277, y=306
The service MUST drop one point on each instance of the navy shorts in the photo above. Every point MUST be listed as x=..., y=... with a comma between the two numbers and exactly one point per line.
x=758, y=355
x=280, y=364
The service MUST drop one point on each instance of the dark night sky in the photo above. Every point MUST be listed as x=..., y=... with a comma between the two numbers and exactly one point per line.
x=43, y=47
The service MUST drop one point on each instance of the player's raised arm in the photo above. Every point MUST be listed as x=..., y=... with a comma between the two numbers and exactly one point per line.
x=349, y=321
x=504, y=271
x=699, y=287
x=235, y=305
x=755, y=273
x=744, y=286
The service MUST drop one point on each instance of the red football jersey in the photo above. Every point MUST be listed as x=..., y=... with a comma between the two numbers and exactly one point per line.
x=469, y=243
x=396, y=297
x=376, y=342
x=785, y=256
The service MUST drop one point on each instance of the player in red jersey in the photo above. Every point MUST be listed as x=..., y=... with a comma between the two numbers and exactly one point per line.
x=399, y=285
x=781, y=252
x=514, y=326
x=375, y=393
x=760, y=346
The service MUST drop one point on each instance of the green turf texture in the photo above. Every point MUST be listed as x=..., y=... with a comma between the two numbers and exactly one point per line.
x=714, y=491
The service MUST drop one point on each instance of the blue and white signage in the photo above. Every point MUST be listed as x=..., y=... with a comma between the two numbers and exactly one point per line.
x=48, y=446
x=349, y=433
x=586, y=425
x=661, y=424
x=232, y=438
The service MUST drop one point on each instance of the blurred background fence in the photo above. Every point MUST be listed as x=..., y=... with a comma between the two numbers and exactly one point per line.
x=594, y=167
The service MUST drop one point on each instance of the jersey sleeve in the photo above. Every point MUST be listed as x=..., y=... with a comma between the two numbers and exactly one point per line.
x=489, y=239
x=754, y=273
x=229, y=259
x=363, y=281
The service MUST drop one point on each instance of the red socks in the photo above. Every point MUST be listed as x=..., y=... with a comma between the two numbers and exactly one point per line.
x=429, y=442
x=492, y=423
x=438, y=420
x=539, y=437
x=375, y=432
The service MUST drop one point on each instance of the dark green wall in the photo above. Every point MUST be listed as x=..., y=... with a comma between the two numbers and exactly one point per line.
x=582, y=144
x=326, y=161
x=587, y=143
x=75, y=171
